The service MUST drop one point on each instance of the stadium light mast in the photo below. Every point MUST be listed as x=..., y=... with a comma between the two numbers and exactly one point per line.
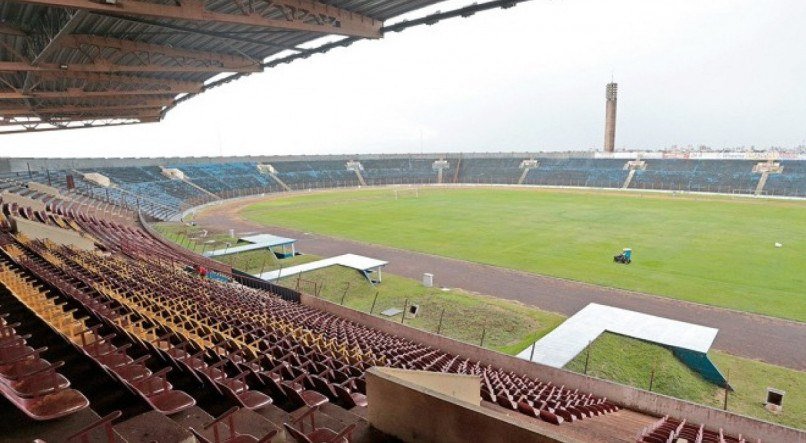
x=610, y=117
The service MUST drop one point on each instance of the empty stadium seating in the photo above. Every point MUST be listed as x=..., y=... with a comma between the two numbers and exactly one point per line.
x=791, y=181
x=146, y=322
x=315, y=174
x=671, y=430
x=146, y=189
x=490, y=170
x=601, y=173
x=296, y=352
x=399, y=171
x=30, y=382
x=725, y=176
x=219, y=178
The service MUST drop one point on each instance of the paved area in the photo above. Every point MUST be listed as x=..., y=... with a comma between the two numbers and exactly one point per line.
x=561, y=345
x=357, y=262
x=749, y=335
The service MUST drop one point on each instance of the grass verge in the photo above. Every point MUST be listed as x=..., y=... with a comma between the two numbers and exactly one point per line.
x=629, y=361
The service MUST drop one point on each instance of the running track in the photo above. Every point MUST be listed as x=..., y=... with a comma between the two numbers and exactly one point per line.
x=749, y=335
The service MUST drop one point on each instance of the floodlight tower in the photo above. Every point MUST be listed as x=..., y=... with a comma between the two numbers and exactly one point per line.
x=610, y=117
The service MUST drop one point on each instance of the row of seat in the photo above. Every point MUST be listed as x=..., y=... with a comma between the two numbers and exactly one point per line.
x=235, y=307
x=145, y=187
x=134, y=373
x=669, y=430
x=28, y=381
x=178, y=349
x=234, y=388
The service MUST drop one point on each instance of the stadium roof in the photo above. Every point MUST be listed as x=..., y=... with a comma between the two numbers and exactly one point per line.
x=84, y=63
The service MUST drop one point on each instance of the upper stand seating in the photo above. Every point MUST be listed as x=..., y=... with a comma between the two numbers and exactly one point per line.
x=315, y=174
x=791, y=182
x=399, y=171
x=146, y=189
x=726, y=176
x=599, y=173
x=220, y=178
x=148, y=182
x=490, y=170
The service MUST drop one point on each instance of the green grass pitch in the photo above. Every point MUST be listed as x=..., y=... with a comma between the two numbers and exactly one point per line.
x=711, y=250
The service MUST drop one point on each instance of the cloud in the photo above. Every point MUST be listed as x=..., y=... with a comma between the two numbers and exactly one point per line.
x=721, y=73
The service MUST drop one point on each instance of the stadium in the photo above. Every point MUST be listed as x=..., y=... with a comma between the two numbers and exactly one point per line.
x=532, y=296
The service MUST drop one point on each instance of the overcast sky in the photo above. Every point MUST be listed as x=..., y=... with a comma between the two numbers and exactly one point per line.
x=723, y=73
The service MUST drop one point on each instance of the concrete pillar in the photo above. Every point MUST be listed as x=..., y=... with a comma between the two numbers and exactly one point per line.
x=610, y=117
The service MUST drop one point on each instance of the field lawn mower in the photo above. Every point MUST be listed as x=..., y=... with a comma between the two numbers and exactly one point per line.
x=625, y=257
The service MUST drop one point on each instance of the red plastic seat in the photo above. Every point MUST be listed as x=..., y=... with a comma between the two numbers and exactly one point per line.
x=158, y=393
x=47, y=404
x=34, y=383
x=307, y=398
x=249, y=399
x=23, y=366
x=350, y=399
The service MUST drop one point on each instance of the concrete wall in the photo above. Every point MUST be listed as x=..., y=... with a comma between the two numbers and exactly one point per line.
x=631, y=398
x=43, y=188
x=60, y=236
x=11, y=197
x=466, y=388
x=414, y=413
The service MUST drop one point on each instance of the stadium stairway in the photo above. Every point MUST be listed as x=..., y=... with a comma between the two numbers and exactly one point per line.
x=201, y=189
x=280, y=182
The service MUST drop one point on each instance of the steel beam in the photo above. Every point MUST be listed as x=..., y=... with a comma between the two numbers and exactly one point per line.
x=158, y=56
x=37, y=127
x=170, y=86
x=90, y=114
x=76, y=93
x=55, y=42
x=112, y=68
x=134, y=114
x=73, y=109
x=296, y=15
x=132, y=100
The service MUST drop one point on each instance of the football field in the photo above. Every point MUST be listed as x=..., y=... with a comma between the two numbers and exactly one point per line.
x=713, y=250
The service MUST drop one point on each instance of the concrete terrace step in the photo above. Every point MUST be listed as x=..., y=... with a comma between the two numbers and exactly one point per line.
x=246, y=422
x=253, y=423
x=196, y=418
x=153, y=426
x=17, y=428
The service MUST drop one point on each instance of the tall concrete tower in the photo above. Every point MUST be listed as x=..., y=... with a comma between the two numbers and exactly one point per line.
x=610, y=117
